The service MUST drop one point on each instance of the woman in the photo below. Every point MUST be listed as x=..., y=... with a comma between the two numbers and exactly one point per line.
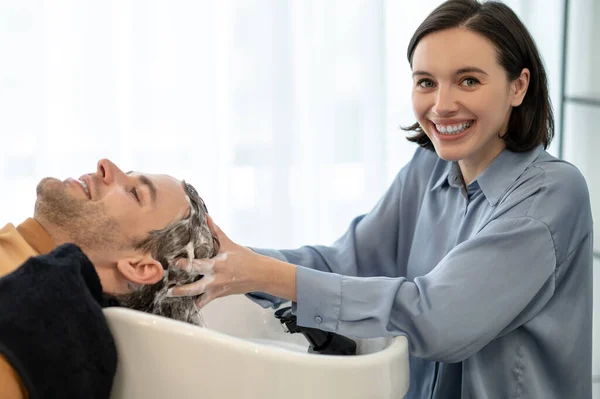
x=481, y=250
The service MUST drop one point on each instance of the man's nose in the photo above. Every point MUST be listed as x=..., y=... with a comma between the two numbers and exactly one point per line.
x=446, y=101
x=109, y=172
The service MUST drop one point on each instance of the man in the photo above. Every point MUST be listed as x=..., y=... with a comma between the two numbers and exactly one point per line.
x=127, y=227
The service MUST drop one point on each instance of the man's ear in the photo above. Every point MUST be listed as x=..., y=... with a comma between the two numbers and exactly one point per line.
x=143, y=269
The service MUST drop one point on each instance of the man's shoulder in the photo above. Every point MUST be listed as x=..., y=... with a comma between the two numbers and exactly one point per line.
x=47, y=304
x=14, y=249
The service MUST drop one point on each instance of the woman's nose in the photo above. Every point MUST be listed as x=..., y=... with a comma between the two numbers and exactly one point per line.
x=445, y=102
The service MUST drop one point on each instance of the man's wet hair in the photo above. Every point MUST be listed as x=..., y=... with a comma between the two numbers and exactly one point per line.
x=189, y=237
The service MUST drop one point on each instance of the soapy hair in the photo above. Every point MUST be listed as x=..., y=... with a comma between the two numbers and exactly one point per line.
x=189, y=237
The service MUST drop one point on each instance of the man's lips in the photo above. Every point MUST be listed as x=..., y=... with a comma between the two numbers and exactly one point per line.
x=81, y=184
x=87, y=185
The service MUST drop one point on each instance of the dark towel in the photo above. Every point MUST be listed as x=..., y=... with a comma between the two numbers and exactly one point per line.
x=52, y=329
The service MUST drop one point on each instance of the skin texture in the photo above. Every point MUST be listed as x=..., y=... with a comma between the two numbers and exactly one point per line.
x=443, y=94
x=457, y=79
x=120, y=210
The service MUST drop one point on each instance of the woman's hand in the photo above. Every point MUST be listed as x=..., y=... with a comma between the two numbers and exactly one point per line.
x=235, y=270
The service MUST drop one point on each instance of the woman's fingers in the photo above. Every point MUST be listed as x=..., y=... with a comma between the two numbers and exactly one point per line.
x=203, y=300
x=212, y=294
x=200, y=266
x=215, y=229
x=192, y=289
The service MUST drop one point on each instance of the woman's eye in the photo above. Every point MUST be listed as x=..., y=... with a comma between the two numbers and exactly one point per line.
x=425, y=83
x=469, y=82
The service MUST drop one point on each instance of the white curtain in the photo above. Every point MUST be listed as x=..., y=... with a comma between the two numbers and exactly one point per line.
x=284, y=114
x=275, y=110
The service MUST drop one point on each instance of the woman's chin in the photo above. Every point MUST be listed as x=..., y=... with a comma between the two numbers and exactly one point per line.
x=447, y=153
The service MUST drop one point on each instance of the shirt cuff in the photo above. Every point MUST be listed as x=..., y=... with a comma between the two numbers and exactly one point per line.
x=319, y=296
x=266, y=300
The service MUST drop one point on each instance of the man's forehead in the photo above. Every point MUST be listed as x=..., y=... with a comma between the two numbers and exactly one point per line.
x=162, y=186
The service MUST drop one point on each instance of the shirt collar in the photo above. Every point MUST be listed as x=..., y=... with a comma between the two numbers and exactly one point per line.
x=495, y=180
x=36, y=236
x=450, y=175
x=443, y=176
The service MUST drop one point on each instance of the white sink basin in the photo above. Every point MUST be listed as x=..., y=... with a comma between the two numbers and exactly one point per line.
x=244, y=353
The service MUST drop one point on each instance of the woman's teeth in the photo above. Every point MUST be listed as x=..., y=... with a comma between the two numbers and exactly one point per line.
x=453, y=129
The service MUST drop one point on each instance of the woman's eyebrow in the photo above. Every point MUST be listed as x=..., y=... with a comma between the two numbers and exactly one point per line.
x=415, y=73
x=469, y=69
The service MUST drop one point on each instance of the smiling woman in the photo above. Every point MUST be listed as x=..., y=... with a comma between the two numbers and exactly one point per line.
x=494, y=85
x=473, y=253
x=464, y=109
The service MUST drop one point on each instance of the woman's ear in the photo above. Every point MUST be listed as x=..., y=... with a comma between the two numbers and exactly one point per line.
x=141, y=270
x=519, y=88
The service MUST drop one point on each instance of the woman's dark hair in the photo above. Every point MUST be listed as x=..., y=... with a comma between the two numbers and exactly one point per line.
x=531, y=123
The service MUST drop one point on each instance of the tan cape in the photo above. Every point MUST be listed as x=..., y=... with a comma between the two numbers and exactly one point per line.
x=17, y=244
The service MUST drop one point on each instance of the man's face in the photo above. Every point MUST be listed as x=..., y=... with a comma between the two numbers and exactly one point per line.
x=106, y=211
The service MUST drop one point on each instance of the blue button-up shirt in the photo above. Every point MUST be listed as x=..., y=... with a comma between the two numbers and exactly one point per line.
x=491, y=283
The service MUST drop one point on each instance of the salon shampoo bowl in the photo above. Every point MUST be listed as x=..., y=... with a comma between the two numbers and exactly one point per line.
x=244, y=353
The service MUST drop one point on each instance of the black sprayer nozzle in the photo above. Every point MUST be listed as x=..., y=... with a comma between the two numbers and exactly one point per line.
x=321, y=342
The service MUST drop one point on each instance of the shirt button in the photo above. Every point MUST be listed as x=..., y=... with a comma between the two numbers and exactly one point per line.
x=318, y=319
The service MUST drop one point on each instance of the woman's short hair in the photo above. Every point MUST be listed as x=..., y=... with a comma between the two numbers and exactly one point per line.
x=532, y=122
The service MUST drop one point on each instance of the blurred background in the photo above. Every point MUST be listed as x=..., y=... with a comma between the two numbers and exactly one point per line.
x=284, y=114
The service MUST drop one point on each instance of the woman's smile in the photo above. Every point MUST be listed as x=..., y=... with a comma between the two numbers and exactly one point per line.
x=452, y=131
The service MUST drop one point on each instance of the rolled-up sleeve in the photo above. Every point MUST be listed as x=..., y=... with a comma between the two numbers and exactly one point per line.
x=370, y=245
x=484, y=287
x=368, y=248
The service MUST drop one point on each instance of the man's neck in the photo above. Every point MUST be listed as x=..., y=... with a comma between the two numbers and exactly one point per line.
x=36, y=232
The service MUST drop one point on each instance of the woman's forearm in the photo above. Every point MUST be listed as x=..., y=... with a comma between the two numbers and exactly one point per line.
x=277, y=278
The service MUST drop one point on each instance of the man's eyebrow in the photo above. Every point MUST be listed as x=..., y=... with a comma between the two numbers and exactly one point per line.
x=460, y=71
x=147, y=182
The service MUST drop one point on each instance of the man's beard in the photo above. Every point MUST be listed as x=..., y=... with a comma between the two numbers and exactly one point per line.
x=81, y=222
